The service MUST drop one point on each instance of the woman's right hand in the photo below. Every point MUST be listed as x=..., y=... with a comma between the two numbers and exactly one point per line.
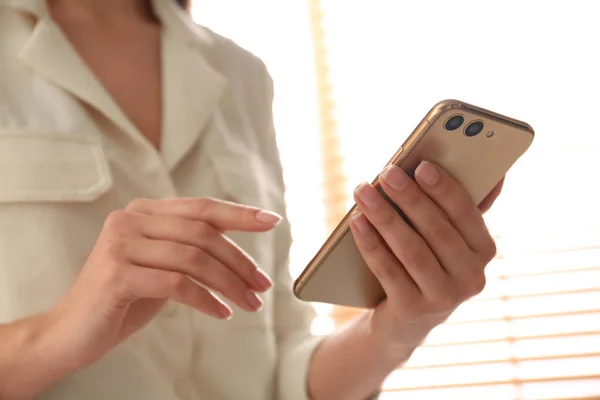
x=149, y=253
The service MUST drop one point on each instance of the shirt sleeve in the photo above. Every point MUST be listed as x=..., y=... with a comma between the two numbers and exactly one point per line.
x=294, y=340
x=293, y=318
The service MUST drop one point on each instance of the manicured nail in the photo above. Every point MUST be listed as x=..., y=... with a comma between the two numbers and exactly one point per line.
x=368, y=195
x=225, y=311
x=428, y=173
x=263, y=281
x=254, y=301
x=268, y=217
x=395, y=177
x=360, y=221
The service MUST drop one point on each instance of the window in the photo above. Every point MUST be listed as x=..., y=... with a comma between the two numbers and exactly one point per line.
x=534, y=333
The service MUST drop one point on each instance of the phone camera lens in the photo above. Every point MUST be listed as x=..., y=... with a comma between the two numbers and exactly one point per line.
x=474, y=128
x=455, y=122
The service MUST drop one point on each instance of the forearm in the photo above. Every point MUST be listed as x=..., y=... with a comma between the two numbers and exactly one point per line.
x=29, y=363
x=353, y=363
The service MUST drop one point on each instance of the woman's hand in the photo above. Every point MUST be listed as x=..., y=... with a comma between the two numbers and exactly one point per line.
x=428, y=271
x=149, y=253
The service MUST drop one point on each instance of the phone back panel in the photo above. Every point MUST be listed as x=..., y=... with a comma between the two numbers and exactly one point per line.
x=338, y=273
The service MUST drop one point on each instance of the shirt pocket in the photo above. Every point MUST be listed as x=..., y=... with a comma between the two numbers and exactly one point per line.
x=51, y=168
x=246, y=177
x=53, y=200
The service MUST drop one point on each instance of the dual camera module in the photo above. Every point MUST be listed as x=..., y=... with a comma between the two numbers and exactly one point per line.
x=473, y=128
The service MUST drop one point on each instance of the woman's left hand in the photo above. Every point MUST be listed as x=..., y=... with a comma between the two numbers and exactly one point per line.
x=428, y=271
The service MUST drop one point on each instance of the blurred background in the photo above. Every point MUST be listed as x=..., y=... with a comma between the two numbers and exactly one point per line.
x=354, y=77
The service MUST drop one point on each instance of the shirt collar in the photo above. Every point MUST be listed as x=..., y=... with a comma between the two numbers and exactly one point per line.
x=192, y=86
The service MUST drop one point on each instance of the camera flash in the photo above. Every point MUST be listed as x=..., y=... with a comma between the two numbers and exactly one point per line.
x=490, y=134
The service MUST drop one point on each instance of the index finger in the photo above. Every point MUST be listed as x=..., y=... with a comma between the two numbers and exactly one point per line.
x=458, y=206
x=223, y=215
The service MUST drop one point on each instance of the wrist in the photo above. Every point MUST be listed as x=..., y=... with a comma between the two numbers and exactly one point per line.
x=29, y=357
x=397, y=338
x=48, y=347
x=55, y=342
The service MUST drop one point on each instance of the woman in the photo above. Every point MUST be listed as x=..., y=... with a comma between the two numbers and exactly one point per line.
x=121, y=124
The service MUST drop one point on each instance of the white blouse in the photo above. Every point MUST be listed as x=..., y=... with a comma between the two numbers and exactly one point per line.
x=69, y=156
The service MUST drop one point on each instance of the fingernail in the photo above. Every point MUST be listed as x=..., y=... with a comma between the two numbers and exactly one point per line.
x=360, y=222
x=368, y=195
x=262, y=280
x=225, y=311
x=395, y=177
x=428, y=173
x=254, y=301
x=268, y=217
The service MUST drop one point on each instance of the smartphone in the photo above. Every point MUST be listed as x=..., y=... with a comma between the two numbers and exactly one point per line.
x=476, y=146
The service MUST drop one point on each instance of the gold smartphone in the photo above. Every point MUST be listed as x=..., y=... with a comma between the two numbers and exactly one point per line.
x=477, y=147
